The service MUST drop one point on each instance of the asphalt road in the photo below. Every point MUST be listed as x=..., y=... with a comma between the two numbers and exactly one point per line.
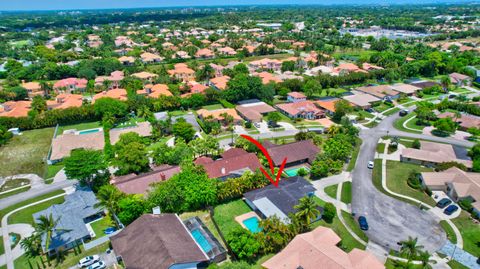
x=392, y=220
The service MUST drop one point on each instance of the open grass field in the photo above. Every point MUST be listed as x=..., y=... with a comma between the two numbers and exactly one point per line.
x=26, y=153
x=213, y=107
x=470, y=233
x=397, y=175
x=225, y=214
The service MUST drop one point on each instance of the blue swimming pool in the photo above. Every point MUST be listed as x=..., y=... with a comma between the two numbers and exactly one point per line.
x=294, y=171
x=201, y=240
x=252, y=224
x=89, y=131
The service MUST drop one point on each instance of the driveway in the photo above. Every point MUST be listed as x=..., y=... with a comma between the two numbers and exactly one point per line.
x=390, y=220
x=263, y=127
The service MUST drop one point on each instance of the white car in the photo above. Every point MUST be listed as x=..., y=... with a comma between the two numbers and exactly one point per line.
x=88, y=261
x=97, y=265
x=370, y=165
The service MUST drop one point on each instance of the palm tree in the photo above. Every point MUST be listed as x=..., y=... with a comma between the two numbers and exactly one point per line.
x=410, y=248
x=47, y=226
x=445, y=81
x=307, y=209
x=424, y=257
x=108, y=197
x=31, y=245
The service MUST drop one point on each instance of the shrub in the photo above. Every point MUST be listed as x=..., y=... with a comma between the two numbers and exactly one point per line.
x=329, y=212
x=416, y=144
x=302, y=172
x=413, y=180
x=466, y=204
x=446, y=165
x=248, y=124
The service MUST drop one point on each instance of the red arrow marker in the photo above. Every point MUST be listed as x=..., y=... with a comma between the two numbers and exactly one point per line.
x=270, y=161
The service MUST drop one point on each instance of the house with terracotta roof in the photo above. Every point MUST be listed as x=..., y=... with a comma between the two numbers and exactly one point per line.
x=456, y=183
x=145, y=76
x=294, y=97
x=70, y=85
x=182, y=72
x=465, y=121
x=254, y=110
x=148, y=58
x=347, y=68
x=204, y=54
x=226, y=51
x=115, y=78
x=33, y=88
x=218, y=69
x=217, y=114
x=219, y=83
x=127, y=60
x=267, y=77
x=301, y=110
x=361, y=100
x=182, y=55
x=299, y=152
x=460, y=79
x=119, y=94
x=369, y=67
x=319, y=249
x=430, y=154
x=384, y=92
x=65, y=100
x=155, y=91
x=233, y=163
x=328, y=105
x=15, y=109
x=266, y=64
x=140, y=184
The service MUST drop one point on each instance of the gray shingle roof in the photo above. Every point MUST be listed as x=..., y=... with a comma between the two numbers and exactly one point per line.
x=71, y=214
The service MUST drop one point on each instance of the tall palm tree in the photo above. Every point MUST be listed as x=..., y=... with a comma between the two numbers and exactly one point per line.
x=47, y=226
x=410, y=248
x=445, y=81
x=108, y=197
x=307, y=209
x=31, y=245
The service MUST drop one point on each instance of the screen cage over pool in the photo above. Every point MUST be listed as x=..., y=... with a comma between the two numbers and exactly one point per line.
x=215, y=251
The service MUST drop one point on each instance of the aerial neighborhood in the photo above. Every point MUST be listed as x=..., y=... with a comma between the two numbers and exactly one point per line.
x=233, y=137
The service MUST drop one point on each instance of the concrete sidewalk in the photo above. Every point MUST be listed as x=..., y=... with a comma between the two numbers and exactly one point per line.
x=321, y=184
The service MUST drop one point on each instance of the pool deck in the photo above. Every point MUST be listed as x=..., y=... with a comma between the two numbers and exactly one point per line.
x=298, y=166
x=245, y=216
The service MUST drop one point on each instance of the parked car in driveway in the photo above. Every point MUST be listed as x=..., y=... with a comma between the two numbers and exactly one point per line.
x=403, y=112
x=450, y=209
x=98, y=265
x=444, y=202
x=362, y=221
x=370, y=165
x=88, y=261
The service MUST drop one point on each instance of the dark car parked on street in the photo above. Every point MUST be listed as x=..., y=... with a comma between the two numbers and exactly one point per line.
x=362, y=221
x=450, y=209
x=444, y=202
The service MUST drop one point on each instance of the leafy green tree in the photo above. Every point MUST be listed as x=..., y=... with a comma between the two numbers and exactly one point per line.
x=109, y=198
x=32, y=245
x=184, y=130
x=5, y=135
x=164, y=154
x=38, y=104
x=416, y=144
x=445, y=125
x=127, y=138
x=130, y=208
x=132, y=158
x=19, y=92
x=329, y=212
x=274, y=234
x=109, y=106
x=274, y=117
x=307, y=210
x=288, y=66
x=244, y=244
x=342, y=108
x=88, y=167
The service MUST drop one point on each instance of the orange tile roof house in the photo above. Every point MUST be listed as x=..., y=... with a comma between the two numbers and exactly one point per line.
x=328, y=105
x=268, y=77
x=219, y=83
x=304, y=110
x=145, y=76
x=115, y=78
x=347, y=68
x=33, y=88
x=457, y=183
x=431, y=154
x=465, y=121
x=119, y=94
x=71, y=84
x=368, y=67
x=294, y=97
x=234, y=163
x=380, y=91
x=15, y=109
x=265, y=63
x=65, y=100
x=204, y=54
x=217, y=114
x=182, y=72
x=318, y=249
x=254, y=110
x=227, y=51
x=155, y=91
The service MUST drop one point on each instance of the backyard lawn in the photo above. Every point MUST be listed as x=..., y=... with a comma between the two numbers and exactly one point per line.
x=26, y=153
x=470, y=233
x=346, y=196
x=331, y=191
x=397, y=175
x=225, y=214
x=79, y=126
x=101, y=225
x=213, y=107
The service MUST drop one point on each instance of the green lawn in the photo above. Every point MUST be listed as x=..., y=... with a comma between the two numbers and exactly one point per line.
x=70, y=258
x=213, y=107
x=449, y=231
x=2, y=247
x=53, y=169
x=456, y=265
x=25, y=215
x=398, y=124
x=470, y=233
x=392, y=111
x=258, y=264
x=177, y=113
x=25, y=153
x=372, y=124
x=391, y=264
x=225, y=214
x=353, y=224
x=331, y=191
x=382, y=107
x=397, y=175
x=353, y=159
x=381, y=148
x=100, y=225
x=412, y=125
x=79, y=126
x=346, y=192
x=29, y=201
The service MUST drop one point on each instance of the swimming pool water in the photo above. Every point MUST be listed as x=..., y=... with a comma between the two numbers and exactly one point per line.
x=201, y=240
x=89, y=131
x=252, y=224
x=293, y=172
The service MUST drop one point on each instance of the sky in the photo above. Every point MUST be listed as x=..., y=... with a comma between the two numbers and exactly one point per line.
x=114, y=4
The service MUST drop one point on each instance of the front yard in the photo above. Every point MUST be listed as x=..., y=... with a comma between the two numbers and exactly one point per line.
x=470, y=233
x=26, y=153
